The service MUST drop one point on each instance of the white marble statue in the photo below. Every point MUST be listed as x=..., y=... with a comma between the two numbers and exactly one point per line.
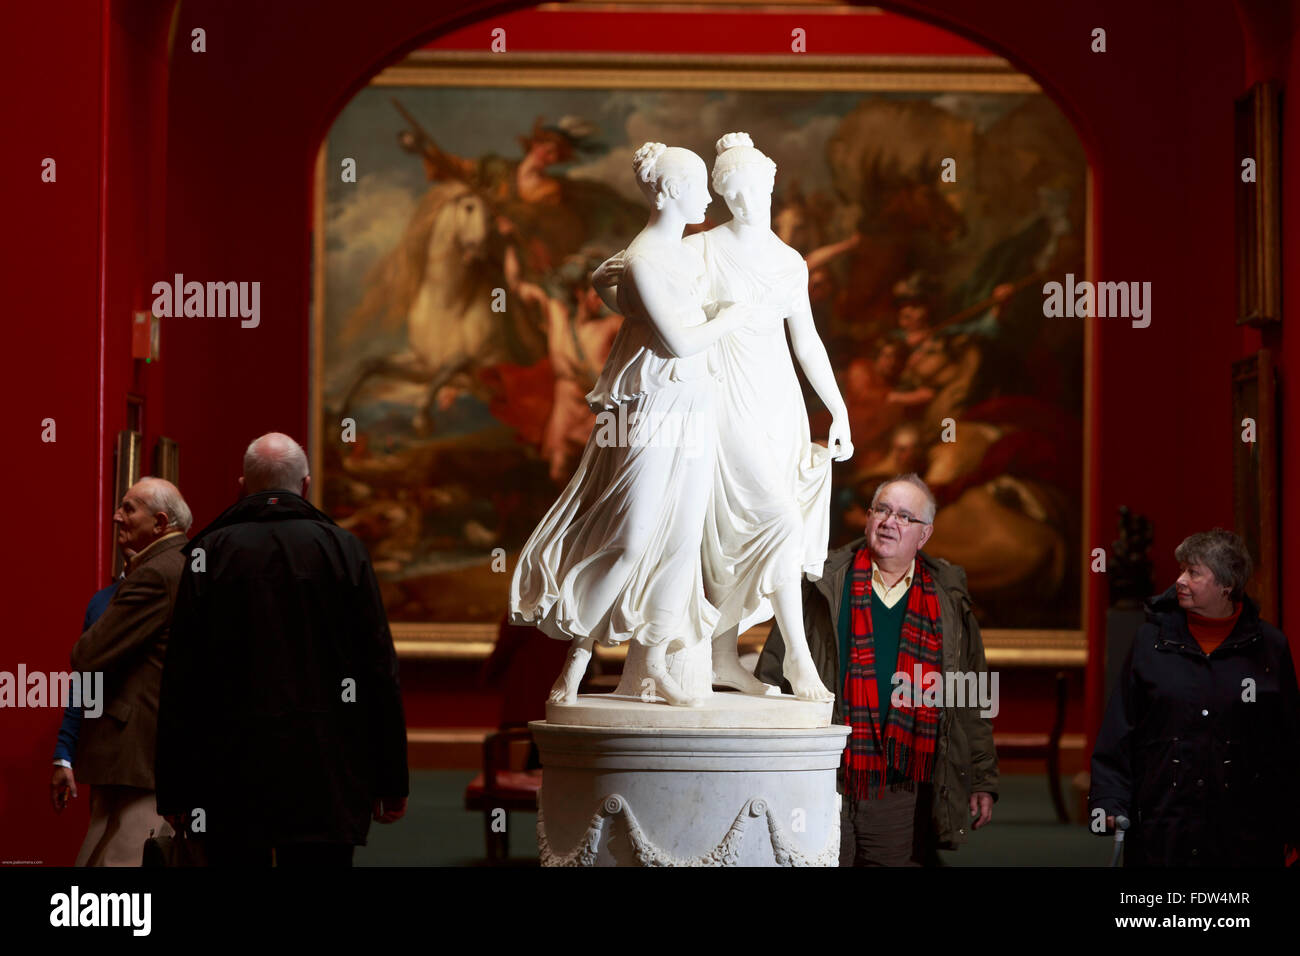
x=618, y=556
x=768, y=518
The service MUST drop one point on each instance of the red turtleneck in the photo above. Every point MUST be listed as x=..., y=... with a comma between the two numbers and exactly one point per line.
x=1210, y=632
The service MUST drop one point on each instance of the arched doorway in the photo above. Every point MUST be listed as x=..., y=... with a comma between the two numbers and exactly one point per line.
x=917, y=185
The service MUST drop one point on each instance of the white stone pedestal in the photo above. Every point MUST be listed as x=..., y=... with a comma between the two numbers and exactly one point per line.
x=735, y=789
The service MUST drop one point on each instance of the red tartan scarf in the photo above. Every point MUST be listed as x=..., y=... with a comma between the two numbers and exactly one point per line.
x=907, y=741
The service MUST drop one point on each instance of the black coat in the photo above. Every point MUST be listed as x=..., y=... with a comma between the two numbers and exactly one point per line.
x=254, y=727
x=1205, y=777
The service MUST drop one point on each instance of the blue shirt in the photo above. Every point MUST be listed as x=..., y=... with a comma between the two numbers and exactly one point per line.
x=66, y=747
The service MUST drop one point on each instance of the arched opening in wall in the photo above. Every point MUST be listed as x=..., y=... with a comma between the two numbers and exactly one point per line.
x=465, y=198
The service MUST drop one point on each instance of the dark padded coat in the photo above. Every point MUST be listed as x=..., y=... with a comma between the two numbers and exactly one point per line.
x=257, y=724
x=965, y=760
x=1205, y=770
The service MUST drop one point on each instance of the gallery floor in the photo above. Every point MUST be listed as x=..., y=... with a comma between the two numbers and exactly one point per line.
x=437, y=831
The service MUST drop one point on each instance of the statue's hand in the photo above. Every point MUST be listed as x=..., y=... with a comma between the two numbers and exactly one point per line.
x=838, y=442
x=733, y=315
x=609, y=272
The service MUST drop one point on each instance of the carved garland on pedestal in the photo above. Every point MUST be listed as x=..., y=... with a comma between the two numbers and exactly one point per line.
x=726, y=853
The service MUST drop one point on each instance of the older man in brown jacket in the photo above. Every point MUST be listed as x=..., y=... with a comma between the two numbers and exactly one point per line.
x=115, y=752
x=917, y=774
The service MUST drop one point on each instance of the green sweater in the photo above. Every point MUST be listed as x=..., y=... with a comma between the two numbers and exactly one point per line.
x=886, y=633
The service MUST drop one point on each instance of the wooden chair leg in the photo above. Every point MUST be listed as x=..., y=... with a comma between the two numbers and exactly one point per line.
x=1054, y=783
x=489, y=838
x=1054, y=746
x=498, y=844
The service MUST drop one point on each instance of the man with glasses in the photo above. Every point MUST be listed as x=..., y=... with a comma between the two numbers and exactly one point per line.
x=918, y=773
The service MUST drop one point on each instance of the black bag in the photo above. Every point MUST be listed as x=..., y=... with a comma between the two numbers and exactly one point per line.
x=174, y=850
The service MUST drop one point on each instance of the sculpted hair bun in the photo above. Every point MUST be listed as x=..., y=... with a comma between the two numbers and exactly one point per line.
x=645, y=159
x=733, y=139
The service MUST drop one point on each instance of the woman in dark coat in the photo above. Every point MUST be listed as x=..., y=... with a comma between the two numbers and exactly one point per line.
x=1200, y=747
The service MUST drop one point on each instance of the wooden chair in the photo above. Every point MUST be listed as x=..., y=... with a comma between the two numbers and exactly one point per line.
x=500, y=788
x=1042, y=747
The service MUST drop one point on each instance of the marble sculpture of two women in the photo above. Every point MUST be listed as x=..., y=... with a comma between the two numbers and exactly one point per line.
x=702, y=520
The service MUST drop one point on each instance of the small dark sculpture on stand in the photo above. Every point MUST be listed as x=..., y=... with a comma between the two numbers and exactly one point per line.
x=1130, y=569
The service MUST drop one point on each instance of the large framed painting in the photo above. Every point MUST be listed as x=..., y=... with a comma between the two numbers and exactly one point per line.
x=463, y=204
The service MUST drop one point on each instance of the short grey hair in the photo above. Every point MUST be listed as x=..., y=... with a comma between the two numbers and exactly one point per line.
x=158, y=495
x=274, y=461
x=1224, y=553
x=913, y=479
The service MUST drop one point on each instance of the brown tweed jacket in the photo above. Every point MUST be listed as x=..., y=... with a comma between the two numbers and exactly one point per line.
x=128, y=643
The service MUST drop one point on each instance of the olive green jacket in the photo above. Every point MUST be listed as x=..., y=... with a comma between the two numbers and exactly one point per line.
x=965, y=760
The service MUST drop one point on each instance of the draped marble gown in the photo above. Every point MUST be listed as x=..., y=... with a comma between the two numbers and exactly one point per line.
x=643, y=498
x=768, y=519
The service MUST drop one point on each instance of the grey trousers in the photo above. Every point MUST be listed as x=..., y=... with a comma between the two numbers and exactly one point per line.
x=892, y=830
x=121, y=819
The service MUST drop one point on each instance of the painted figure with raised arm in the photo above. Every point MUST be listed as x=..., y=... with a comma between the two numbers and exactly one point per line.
x=618, y=556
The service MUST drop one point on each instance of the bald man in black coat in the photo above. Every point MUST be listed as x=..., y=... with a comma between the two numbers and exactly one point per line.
x=281, y=724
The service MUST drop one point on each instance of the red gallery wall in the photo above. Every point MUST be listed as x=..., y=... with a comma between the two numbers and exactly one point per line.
x=85, y=84
x=202, y=164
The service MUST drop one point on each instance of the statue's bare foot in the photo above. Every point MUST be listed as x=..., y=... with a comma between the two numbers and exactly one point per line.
x=804, y=680
x=565, y=688
x=729, y=673
x=670, y=690
x=562, y=693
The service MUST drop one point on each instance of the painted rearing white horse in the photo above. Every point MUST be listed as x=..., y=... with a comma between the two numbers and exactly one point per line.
x=441, y=282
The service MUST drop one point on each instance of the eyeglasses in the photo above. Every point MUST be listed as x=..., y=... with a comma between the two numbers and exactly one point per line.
x=905, y=519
